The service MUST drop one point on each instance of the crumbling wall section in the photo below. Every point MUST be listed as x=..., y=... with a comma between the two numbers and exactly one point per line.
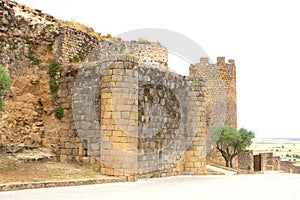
x=73, y=45
x=245, y=160
x=26, y=36
x=266, y=161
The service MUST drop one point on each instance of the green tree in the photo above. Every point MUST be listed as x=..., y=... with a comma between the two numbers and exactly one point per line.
x=230, y=141
x=4, y=84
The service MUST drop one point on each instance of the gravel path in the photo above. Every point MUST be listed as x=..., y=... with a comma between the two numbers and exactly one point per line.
x=227, y=172
x=259, y=186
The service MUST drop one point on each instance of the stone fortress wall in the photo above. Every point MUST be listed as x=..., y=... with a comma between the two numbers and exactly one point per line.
x=29, y=38
x=220, y=87
x=123, y=108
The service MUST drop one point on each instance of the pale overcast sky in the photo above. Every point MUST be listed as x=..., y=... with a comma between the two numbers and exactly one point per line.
x=262, y=36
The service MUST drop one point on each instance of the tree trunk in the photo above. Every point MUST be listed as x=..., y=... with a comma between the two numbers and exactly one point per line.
x=231, y=165
x=227, y=162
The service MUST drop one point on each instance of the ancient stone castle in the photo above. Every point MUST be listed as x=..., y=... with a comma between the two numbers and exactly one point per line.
x=94, y=99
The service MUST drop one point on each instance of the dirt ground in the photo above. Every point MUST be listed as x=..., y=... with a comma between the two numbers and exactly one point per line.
x=12, y=170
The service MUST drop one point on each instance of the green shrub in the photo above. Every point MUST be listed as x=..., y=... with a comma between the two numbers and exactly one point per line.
x=108, y=35
x=81, y=56
x=4, y=84
x=74, y=59
x=77, y=58
x=31, y=55
x=142, y=111
x=53, y=85
x=2, y=106
x=50, y=47
x=59, y=112
x=35, y=60
x=296, y=156
x=53, y=67
x=143, y=41
x=4, y=80
x=129, y=53
x=72, y=20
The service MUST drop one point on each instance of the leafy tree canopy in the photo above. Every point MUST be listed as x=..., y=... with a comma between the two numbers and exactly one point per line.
x=230, y=141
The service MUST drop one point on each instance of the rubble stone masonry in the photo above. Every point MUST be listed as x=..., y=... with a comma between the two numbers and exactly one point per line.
x=124, y=113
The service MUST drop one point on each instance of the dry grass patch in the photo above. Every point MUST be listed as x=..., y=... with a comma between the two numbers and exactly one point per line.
x=15, y=171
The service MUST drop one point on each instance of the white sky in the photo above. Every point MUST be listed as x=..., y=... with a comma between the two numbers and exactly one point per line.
x=262, y=36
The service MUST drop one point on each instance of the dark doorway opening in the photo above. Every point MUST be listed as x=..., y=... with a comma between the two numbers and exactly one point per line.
x=257, y=162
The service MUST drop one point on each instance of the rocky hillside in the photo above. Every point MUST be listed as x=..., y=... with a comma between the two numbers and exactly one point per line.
x=26, y=37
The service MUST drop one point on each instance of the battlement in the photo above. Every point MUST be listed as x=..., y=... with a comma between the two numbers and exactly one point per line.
x=231, y=61
x=219, y=76
x=220, y=62
x=204, y=61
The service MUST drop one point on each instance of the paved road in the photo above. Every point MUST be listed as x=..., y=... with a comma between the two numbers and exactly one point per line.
x=242, y=187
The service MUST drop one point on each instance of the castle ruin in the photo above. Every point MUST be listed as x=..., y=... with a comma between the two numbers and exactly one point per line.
x=120, y=116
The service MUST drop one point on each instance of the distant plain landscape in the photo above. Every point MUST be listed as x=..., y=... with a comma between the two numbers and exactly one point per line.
x=283, y=147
